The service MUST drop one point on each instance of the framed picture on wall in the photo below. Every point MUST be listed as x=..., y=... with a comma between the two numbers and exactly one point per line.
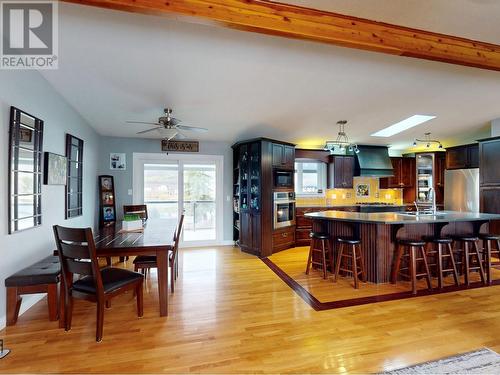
x=117, y=161
x=108, y=214
x=55, y=169
x=107, y=204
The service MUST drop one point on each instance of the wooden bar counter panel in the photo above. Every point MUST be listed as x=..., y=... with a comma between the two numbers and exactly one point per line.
x=157, y=239
x=378, y=232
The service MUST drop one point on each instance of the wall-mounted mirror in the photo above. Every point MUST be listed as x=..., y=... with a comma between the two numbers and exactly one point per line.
x=74, y=186
x=25, y=171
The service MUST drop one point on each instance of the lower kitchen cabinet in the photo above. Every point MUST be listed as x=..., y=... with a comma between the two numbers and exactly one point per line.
x=283, y=238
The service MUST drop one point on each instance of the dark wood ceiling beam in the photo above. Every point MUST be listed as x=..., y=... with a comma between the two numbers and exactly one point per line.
x=291, y=21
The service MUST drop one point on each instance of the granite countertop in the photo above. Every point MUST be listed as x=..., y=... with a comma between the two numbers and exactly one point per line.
x=401, y=217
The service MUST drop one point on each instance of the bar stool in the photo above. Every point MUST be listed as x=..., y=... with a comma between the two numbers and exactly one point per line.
x=409, y=248
x=324, y=250
x=488, y=251
x=470, y=249
x=442, y=253
x=350, y=248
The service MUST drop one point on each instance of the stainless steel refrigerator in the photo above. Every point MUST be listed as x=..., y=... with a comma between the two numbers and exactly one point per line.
x=461, y=190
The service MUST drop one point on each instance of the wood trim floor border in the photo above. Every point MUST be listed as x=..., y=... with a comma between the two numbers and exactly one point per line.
x=320, y=306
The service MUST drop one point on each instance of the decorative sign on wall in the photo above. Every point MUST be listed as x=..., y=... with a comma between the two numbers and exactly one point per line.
x=180, y=146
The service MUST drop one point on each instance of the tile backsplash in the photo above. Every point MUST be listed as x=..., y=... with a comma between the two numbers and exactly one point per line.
x=366, y=189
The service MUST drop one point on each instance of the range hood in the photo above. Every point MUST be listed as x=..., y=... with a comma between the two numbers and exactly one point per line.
x=373, y=161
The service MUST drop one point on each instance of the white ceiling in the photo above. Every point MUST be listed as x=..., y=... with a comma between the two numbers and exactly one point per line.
x=117, y=66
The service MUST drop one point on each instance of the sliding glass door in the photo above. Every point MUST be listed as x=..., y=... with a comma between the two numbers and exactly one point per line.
x=182, y=183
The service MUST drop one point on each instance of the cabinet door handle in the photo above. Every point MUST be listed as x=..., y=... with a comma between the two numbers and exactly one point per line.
x=284, y=234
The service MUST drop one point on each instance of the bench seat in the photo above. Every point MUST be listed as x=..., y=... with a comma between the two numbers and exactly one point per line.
x=41, y=277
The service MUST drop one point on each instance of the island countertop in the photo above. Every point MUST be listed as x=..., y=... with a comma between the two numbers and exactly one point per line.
x=402, y=217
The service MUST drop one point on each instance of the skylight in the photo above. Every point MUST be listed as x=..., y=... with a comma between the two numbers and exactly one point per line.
x=406, y=124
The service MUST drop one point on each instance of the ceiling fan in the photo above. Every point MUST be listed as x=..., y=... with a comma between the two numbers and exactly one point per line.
x=169, y=127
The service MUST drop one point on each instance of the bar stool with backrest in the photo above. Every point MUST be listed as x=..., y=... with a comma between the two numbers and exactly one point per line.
x=350, y=259
x=439, y=249
x=326, y=254
x=146, y=262
x=77, y=255
x=488, y=250
x=413, y=251
x=468, y=249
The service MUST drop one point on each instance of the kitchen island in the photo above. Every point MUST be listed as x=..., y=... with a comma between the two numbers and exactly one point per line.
x=379, y=231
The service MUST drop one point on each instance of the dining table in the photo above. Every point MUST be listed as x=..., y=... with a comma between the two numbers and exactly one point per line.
x=156, y=238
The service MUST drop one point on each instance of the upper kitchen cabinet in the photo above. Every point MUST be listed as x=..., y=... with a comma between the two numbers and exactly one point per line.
x=283, y=156
x=404, y=174
x=460, y=157
x=341, y=172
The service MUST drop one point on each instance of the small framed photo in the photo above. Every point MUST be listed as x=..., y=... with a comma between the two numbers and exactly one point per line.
x=363, y=190
x=108, y=199
x=108, y=214
x=107, y=183
x=55, y=169
x=117, y=161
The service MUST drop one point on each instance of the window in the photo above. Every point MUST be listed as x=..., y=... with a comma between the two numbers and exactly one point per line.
x=74, y=185
x=310, y=177
x=25, y=171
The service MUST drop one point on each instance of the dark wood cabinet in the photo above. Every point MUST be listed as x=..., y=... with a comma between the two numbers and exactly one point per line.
x=283, y=239
x=283, y=156
x=489, y=179
x=460, y=157
x=440, y=164
x=253, y=193
x=341, y=172
x=404, y=174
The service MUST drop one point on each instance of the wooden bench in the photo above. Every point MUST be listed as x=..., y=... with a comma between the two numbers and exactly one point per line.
x=41, y=277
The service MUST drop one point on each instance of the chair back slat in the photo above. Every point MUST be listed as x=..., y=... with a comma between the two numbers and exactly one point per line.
x=77, y=255
x=71, y=234
x=79, y=267
x=139, y=209
x=75, y=251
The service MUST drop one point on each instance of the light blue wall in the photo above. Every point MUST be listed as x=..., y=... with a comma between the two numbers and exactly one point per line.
x=29, y=91
x=123, y=179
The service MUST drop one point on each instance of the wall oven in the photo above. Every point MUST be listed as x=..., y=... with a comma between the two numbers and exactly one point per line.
x=284, y=209
x=283, y=179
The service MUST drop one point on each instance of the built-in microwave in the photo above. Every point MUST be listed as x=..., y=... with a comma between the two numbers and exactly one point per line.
x=283, y=179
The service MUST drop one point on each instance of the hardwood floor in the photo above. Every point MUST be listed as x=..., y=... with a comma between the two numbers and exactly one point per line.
x=231, y=314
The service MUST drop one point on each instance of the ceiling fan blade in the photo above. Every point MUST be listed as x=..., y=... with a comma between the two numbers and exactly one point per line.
x=142, y=122
x=180, y=135
x=192, y=128
x=175, y=121
x=147, y=131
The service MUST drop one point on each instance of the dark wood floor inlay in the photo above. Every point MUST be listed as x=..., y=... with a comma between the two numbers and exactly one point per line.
x=319, y=306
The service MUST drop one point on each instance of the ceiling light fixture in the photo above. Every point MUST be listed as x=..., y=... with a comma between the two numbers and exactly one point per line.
x=428, y=141
x=342, y=142
x=406, y=124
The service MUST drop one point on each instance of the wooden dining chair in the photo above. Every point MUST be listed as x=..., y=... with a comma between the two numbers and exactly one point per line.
x=139, y=209
x=146, y=262
x=77, y=255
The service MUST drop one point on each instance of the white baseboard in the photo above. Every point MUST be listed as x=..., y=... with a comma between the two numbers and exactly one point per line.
x=28, y=301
